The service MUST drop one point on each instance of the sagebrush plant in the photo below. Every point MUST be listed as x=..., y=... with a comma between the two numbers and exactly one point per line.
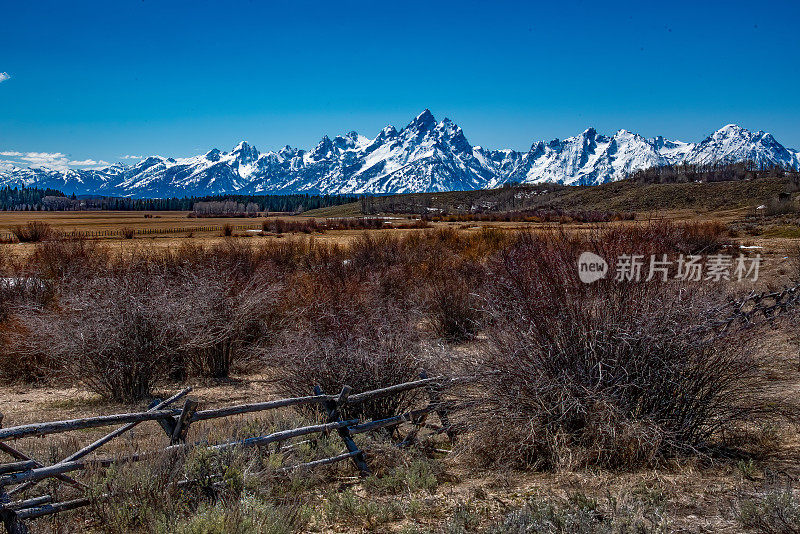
x=614, y=374
x=581, y=514
x=775, y=510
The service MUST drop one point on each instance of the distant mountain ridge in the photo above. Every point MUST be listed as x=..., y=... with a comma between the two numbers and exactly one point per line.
x=425, y=156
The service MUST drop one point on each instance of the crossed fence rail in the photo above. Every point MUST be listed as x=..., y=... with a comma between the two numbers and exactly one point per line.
x=24, y=472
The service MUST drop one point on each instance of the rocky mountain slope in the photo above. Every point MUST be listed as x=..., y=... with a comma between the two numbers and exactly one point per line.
x=425, y=156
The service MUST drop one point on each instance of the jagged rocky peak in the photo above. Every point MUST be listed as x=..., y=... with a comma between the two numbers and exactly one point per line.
x=347, y=141
x=388, y=131
x=729, y=130
x=453, y=134
x=323, y=148
x=423, y=156
x=149, y=162
x=423, y=122
x=244, y=153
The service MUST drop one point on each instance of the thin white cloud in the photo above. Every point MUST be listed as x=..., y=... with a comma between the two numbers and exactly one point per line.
x=49, y=160
x=4, y=76
x=128, y=156
x=88, y=162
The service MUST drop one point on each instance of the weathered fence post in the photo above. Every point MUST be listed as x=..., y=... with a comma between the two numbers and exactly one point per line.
x=182, y=424
x=332, y=408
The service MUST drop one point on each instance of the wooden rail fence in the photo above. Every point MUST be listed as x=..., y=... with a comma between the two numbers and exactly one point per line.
x=93, y=234
x=757, y=308
x=24, y=472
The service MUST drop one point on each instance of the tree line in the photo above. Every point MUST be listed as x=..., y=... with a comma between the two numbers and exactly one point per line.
x=35, y=199
x=720, y=172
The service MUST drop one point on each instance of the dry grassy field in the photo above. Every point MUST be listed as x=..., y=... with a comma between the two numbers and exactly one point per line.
x=285, y=311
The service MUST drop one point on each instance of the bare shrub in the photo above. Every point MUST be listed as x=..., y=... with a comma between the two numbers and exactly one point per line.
x=217, y=324
x=69, y=259
x=128, y=233
x=280, y=226
x=32, y=232
x=108, y=334
x=343, y=332
x=781, y=206
x=18, y=365
x=702, y=237
x=451, y=297
x=227, y=230
x=615, y=374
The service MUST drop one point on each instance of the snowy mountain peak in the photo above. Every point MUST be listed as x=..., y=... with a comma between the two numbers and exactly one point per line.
x=423, y=156
x=245, y=153
x=729, y=130
x=424, y=121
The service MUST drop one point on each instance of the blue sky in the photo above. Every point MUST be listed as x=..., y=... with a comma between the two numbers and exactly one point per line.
x=101, y=80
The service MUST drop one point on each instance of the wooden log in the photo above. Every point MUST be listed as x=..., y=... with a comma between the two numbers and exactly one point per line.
x=168, y=425
x=54, y=508
x=40, y=473
x=28, y=503
x=105, y=439
x=257, y=407
x=343, y=396
x=332, y=408
x=391, y=421
x=14, y=453
x=184, y=420
x=22, y=465
x=282, y=435
x=121, y=430
x=391, y=390
x=54, y=427
x=20, y=456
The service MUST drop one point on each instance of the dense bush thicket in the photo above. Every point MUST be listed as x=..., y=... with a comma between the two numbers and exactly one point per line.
x=608, y=373
x=32, y=232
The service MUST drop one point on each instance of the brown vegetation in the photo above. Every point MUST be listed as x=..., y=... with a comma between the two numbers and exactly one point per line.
x=608, y=375
x=32, y=232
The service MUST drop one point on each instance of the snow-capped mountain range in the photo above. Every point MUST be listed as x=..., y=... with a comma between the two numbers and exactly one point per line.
x=425, y=156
